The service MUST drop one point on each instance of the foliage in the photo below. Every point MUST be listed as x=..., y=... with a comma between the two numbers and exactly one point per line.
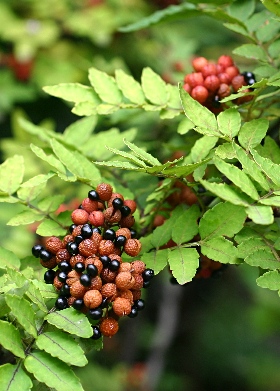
x=230, y=163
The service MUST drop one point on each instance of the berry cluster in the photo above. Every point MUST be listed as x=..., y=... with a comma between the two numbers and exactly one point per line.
x=210, y=82
x=86, y=266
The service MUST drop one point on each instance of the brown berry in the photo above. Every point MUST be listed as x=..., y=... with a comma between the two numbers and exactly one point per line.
x=62, y=255
x=136, y=294
x=106, y=247
x=71, y=300
x=96, y=283
x=108, y=275
x=238, y=82
x=104, y=191
x=131, y=204
x=53, y=244
x=232, y=71
x=224, y=78
x=124, y=281
x=127, y=222
x=75, y=259
x=124, y=232
x=96, y=262
x=126, y=295
x=77, y=290
x=194, y=79
x=223, y=91
x=138, y=267
x=138, y=284
x=77, y=230
x=92, y=298
x=125, y=267
x=67, y=239
x=87, y=247
x=109, y=291
x=49, y=264
x=109, y=327
x=113, y=196
x=121, y=306
x=96, y=218
x=225, y=61
x=112, y=215
x=89, y=205
x=132, y=247
x=209, y=69
x=79, y=216
x=57, y=284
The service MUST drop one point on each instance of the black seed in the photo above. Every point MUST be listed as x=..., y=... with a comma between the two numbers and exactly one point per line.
x=120, y=241
x=147, y=275
x=45, y=255
x=92, y=270
x=114, y=265
x=109, y=234
x=117, y=203
x=95, y=313
x=98, y=230
x=61, y=303
x=248, y=76
x=62, y=276
x=125, y=210
x=216, y=101
x=85, y=280
x=36, y=250
x=79, y=267
x=146, y=284
x=133, y=233
x=105, y=260
x=104, y=303
x=93, y=195
x=72, y=248
x=139, y=304
x=78, y=239
x=78, y=304
x=86, y=231
x=96, y=333
x=134, y=312
x=65, y=290
x=64, y=266
x=72, y=227
x=49, y=276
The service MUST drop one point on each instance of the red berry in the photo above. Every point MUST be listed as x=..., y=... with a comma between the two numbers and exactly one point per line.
x=223, y=91
x=237, y=82
x=89, y=205
x=199, y=63
x=79, y=216
x=200, y=94
x=104, y=191
x=187, y=88
x=224, y=78
x=225, y=61
x=212, y=83
x=232, y=71
x=96, y=218
x=209, y=69
x=194, y=79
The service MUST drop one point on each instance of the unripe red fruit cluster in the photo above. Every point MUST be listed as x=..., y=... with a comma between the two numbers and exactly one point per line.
x=88, y=260
x=211, y=82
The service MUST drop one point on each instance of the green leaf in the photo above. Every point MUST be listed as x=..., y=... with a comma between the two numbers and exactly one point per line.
x=49, y=228
x=269, y=150
x=34, y=294
x=47, y=290
x=128, y=156
x=226, y=192
x=12, y=339
x=183, y=263
x=8, y=258
x=252, y=133
x=200, y=116
x=185, y=227
x=273, y=201
x=16, y=277
x=11, y=174
x=185, y=125
x=249, y=245
x=85, y=109
x=24, y=313
x=154, y=87
x=51, y=204
x=262, y=258
x=270, y=280
x=229, y=122
x=146, y=157
x=13, y=378
x=30, y=189
x=156, y=260
x=183, y=170
x=61, y=345
x=67, y=158
x=91, y=172
x=252, y=51
x=25, y=217
x=71, y=321
x=241, y=9
x=220, y=249
x=73, y=92
x=51, y=371
x=51, y=159
x=4, y=309
x=130, y=88
x=260, y=214
x=202, y=147
x=238, y=177
x=272, y=5
x=269, y=168
x=237, y=28
x=225, y=151
x=268, y=30
x=105, y=86
x=223, y=219
x=79, y=132
x=251, y=168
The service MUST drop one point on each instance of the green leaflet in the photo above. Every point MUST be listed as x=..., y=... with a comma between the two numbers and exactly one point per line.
x=154, y=87
x=226, y=193
x=229, y=122
x=202, y=147
x=11, y=174
x=250, y=50
x=71, y=321
x=270, y=280
x=204, y=121
x=220, y=249
x=242, y=10
x=272, y=5
x=12, y=339
x=51, y=204
x=27, y=216
x=252, y=133
x=225, y=151
x=105, y=86
x=130, y=88
x=238, y=177
x=263, y=258
x=186, y=227
x=73, y=92
x=223, y=219
x=183, y=263
x=51, y=159
x=63, y=346
x=8, y=258
x=249, y=245
x=67, y=158
x=51, y=371
x=14, y=378
x=24, y=313
x=50, y=228
x=269, y=168
x=80, y=131
x=146, y=157
x=260, y=214
x=156, y=260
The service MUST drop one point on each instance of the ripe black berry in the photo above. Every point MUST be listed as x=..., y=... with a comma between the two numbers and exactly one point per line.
x=72, y=248
x=95, y=313
x=92, y=270
x=139, y=304
x=86, y=231
x=64, y=266
x=114, y=265
x=62, y=276
x=105, y=260
x=98, y=230
x=134, y=312
x=93, y=195
x=36, y=250
x=146, y=284
x=120, y=241
x=125, y=210
x=251, y=81
x=49, y=276
x=147, y=275
x=109, y=234
x=61, y=303
x=133, y=233
x=117, y=203
x=65, y=290
x=78, y=239
x=45, y=255
x=248, y=75
x=72, y=227
x=96, y=333
x=78, y=304
x=104, y=303
x=79, y=267
x=85, y=280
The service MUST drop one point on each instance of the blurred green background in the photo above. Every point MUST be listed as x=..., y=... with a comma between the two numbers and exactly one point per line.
x=213, y=334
